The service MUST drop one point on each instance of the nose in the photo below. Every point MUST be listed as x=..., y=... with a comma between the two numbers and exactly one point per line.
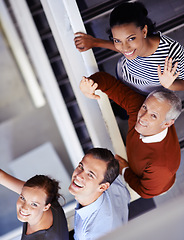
x=80, y=175
x=24, y=206
x=143, y=116
x=125, y=47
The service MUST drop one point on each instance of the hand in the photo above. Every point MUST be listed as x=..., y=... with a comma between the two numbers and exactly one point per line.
x=169, y=74
x=83, y=41
x=88, y=87
x=122, y=162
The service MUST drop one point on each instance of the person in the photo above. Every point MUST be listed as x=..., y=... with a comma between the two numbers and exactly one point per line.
x=101, y=195
x=152, y=146
x=38, y=207
x=146, y=54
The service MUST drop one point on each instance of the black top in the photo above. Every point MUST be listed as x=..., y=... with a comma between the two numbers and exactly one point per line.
x=58, y=231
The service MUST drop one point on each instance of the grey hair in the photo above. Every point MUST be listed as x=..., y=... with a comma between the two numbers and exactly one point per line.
x=172, y=99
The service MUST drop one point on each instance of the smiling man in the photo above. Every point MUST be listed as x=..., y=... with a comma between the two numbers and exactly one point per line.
x=102, y=197
x=152, y=145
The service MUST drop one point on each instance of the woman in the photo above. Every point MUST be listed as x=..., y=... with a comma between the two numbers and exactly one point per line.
x=150, y=60
x=37, y=207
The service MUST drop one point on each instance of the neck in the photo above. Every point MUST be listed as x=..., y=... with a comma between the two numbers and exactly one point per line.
x=151, y=45
x=44, y=223
x=87, y=201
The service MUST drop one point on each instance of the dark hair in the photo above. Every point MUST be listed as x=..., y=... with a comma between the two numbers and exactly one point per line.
x=112, y=164
x=132, y=12
x=50, y=186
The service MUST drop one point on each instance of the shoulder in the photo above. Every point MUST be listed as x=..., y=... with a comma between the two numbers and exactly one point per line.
x=57, y=210
x=118, y=193
x=121, y=62
x=60, y=223
x=174, y=46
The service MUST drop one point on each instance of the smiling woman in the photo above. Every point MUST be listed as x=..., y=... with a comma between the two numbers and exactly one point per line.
x=149, y=59
x=38, y=207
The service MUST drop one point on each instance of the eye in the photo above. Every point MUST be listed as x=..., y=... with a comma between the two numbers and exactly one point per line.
x=144, y=107
x=21, y=198
x=132, y=39
x=90, y=175
x=153, y=116
x=80, y=166
x=116, y=41
x=34, y=205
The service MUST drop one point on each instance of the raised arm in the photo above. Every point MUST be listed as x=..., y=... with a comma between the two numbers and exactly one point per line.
x=84, y=42
x=11, y=182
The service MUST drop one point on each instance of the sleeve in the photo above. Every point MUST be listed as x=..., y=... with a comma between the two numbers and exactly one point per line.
x=176, y=51
x=151, y=183
x=118, y=91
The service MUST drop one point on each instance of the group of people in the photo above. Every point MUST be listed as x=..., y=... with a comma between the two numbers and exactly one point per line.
x=150, y=70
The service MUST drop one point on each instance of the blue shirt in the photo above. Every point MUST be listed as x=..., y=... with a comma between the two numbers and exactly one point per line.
x=108, y=212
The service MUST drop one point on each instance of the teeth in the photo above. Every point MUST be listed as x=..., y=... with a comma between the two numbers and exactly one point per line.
x=129, y=53
x=23, y=214
x=77, y=184
x=144, y=125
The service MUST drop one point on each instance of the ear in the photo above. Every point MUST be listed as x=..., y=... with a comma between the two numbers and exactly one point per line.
x=168, y=123
x=104, y=186
x=145, y=31
x=47, y=207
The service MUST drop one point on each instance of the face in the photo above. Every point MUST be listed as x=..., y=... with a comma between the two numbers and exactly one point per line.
x=31, y=205
x=129, y=40
x=151, y=117
x=86, y=179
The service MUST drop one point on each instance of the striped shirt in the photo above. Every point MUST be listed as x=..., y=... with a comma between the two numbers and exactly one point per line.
x=141, y=72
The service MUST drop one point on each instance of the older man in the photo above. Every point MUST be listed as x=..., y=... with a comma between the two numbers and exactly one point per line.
x=152, y=145
x=102, y=197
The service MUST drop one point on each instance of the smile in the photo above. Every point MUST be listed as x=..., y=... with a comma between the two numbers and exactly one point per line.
x=23, y=214
x=77, y=184
x=142, y=124
x=129, y=53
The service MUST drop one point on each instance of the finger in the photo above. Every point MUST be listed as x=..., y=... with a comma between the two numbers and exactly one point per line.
x=174, y=68
x=77, y=39
x=166, y=64
x=176, y=75
x=78, y=44
x=95, y=86
x=84, y=79
x=91, y=82
x=159, y=71
x=169, y=65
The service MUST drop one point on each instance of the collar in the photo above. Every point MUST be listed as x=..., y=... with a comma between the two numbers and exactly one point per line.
x=154, y=138
x=86, y=211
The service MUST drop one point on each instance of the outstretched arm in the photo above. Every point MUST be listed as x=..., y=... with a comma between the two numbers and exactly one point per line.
x=84, y=42
x=11, y=182
x=168, y=78
x=115, y=89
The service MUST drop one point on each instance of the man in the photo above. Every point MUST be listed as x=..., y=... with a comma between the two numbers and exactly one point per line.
x=152, y=145
x=102, y=197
